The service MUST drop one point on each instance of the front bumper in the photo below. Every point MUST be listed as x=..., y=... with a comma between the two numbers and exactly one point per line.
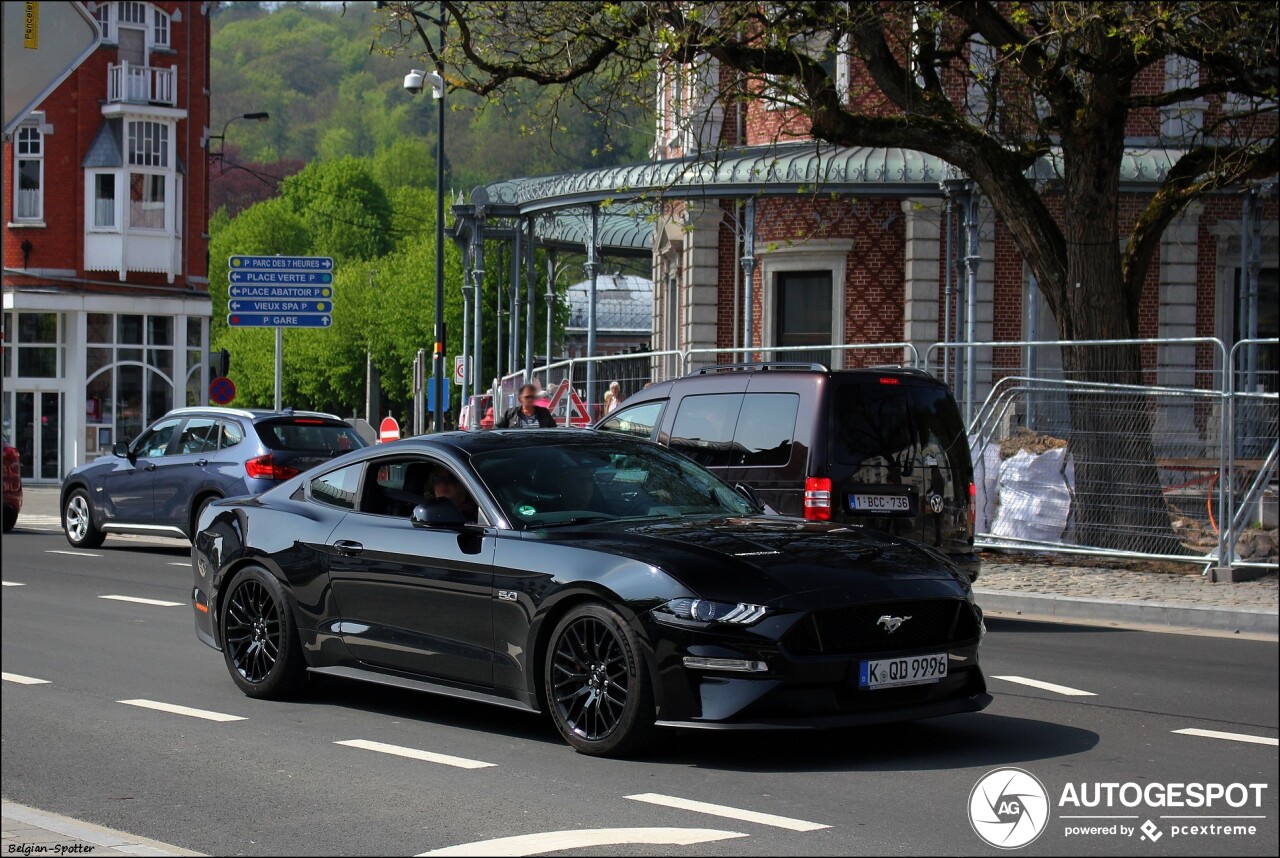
x=800, y=691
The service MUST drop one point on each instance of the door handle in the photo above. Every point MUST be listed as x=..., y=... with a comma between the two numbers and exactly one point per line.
x=151, y=466
x=348, y=548
x=202, y=462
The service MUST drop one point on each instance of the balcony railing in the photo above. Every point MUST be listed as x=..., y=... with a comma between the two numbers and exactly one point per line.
x=133, y=84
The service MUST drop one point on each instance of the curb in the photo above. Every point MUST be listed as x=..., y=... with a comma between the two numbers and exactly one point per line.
x=1149, y=614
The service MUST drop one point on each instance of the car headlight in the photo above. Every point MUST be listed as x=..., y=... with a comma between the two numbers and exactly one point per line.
x=705, y=611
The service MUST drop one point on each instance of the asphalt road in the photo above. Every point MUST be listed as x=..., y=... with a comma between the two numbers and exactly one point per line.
x=279, y=781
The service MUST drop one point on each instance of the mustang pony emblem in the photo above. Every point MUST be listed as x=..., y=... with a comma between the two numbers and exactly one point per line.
x=891, y=624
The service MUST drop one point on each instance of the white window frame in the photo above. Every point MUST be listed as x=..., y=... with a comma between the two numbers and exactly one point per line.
x=147, y=143
x=91, y=202
x=156, y=23
x=33, y=127
x=159, y=28
x=149, y=182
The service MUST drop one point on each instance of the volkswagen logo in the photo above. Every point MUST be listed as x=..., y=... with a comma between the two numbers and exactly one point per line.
x=935, y=503
x=891, y=624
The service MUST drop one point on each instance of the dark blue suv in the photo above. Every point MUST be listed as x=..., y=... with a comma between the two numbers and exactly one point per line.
x=190, y=457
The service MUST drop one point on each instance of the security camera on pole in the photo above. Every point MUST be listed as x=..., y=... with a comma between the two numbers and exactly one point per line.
x=414, y=82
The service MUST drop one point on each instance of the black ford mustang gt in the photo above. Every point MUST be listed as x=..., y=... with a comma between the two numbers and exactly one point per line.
x=604, y=579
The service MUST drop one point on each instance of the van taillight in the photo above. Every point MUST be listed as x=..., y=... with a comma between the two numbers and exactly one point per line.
x=973, y=506
x=265, y=468
x=817, y=499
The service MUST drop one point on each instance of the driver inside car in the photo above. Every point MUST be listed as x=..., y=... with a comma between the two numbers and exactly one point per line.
x=445, y=484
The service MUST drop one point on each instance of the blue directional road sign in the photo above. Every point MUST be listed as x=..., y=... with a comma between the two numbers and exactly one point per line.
x=301, y=278
x=279, y=320
x=241, y=306
x=280, y=293
x=281, y=263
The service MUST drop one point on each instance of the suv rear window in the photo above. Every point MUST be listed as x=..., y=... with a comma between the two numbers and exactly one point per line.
x=897, y=425
x=308, y=435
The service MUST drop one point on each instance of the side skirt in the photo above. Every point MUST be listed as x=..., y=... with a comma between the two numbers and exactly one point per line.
x=410, y=684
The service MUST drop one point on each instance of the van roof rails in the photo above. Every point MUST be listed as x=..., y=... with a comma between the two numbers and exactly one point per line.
x=760, y=367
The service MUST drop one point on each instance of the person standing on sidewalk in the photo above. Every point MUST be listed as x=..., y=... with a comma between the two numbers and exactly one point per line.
x=528, y=414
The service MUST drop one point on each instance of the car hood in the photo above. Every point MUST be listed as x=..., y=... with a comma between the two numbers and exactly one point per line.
x=777, y=561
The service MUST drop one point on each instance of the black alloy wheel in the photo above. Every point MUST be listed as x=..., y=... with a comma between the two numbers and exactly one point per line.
x=598, y=687
x=259, y=638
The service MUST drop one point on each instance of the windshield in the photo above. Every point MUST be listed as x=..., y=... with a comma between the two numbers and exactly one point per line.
x=544, y=486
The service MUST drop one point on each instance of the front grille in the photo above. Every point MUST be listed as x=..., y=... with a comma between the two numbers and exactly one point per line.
x=857, y=629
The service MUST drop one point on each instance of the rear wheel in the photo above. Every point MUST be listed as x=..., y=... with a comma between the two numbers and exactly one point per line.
x=259, y=638
x=77, y=521
x=597, y=683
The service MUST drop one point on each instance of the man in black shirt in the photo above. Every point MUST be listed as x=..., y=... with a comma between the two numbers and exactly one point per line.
x=528, y=414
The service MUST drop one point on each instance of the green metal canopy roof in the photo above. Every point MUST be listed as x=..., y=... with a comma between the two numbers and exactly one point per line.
x=627, y=194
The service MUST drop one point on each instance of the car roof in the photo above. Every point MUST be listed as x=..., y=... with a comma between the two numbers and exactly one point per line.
x=250, y=413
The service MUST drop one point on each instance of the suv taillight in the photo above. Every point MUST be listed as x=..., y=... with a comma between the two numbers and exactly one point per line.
x=265, y=468
x=973, y=507
x=817, y=499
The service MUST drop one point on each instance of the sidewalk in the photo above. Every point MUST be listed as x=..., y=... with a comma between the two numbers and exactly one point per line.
x=28, y=831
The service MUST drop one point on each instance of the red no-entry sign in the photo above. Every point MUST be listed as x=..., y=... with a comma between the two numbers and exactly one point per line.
x=388, y=430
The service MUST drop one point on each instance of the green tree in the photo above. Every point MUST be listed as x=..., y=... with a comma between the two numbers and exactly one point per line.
x=992, y=88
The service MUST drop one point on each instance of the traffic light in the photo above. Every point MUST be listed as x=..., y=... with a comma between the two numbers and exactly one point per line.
x=219, y=363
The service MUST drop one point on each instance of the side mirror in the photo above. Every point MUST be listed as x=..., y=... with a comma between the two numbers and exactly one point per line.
x=120, y=449
x=438, y=512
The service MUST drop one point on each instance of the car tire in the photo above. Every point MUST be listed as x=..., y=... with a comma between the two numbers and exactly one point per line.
x=10, y=518
x=597, y=683
x=77, y=521
x=260, y=638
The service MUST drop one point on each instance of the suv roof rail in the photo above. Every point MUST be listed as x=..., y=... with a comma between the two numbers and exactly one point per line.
x=761, y=366
x=221, y=409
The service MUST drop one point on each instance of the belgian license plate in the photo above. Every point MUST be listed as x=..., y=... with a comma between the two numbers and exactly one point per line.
x=908, y=670
x=879, y=503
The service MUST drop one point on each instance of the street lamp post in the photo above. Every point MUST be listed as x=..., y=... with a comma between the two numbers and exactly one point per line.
x=260, y=116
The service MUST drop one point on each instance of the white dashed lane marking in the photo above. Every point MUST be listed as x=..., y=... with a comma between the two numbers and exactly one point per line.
x=13, y=583
x=141, y=601
x=1234, y=737
x=72, y=553
x=561, y=841
x=22, y=680
x=415, y=754
x=182, y=710
x=729, y=812
x=1047, y=686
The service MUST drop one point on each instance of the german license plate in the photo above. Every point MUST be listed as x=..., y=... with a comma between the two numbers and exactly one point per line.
x=879, y=503
x=908, y=670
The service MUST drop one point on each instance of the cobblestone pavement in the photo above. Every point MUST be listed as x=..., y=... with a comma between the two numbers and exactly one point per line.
x=1125, y=581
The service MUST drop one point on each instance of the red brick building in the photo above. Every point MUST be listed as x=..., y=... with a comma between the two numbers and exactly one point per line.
x=106, y=306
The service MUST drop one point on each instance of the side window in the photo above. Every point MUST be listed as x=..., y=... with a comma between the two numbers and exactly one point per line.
x=200, y=435
x=766, y=429
x=156, y=439
x=232, y=434
x=338, y=488
x=395, y=488
x=638, y=421
x=703, y=429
